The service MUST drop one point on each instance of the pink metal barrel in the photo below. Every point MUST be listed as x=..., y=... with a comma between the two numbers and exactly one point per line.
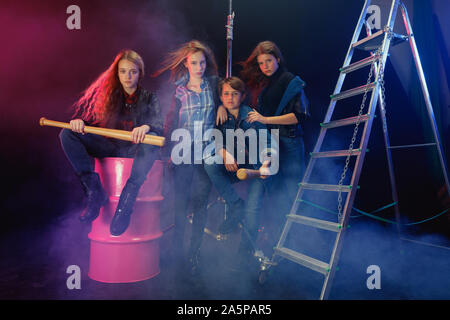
x=134, y=255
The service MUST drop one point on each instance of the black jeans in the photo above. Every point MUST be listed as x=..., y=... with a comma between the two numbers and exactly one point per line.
x=81, y=149
x=192, y=187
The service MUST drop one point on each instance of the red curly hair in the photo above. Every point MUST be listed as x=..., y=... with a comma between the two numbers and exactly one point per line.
x=99, y=100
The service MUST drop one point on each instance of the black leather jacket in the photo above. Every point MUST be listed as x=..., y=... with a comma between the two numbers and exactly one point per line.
x=146, y=111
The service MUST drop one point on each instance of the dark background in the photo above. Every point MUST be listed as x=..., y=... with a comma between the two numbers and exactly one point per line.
x=45, y=67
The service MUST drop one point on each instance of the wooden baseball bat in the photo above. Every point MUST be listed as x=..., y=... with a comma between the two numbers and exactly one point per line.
x=110, y=133
x=244, y=174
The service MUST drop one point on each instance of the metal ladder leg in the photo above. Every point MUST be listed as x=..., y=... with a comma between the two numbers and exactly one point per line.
x=328, y=115
x=381, y=105
x=358, y=166
x=425, y=92
x=377, y=62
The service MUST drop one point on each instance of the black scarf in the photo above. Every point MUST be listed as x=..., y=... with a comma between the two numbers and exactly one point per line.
x=270, y=97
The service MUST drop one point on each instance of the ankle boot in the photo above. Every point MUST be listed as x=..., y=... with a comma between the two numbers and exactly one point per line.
x=194, y=261
x=124, y=209
x=236, y=214
x=245, y=260
x=96, y=196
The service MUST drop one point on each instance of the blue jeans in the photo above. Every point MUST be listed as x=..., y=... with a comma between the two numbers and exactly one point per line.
x=82, y=149
x=284, y=188
x=223, y=181
x=292, y=165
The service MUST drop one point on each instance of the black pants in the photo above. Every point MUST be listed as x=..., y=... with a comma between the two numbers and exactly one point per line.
x=192, y=188
x=81, y=149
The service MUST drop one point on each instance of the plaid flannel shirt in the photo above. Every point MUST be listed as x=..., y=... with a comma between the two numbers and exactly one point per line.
x=197, y=110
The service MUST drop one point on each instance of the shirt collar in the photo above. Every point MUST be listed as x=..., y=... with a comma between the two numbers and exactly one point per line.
x=131, y=98
x=183, y=81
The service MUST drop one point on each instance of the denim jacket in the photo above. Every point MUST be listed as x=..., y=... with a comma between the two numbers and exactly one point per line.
x=249, y=151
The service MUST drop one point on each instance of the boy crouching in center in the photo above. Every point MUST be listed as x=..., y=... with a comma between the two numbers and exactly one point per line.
x=252, y=148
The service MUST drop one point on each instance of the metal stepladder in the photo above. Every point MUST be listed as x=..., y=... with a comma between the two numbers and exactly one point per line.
x=378, y=45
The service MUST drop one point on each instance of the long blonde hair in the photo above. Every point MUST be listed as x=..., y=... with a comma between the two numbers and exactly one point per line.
x=99, y=100
x=175, y=60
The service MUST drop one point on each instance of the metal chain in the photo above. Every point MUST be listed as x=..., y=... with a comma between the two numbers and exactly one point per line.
x=383, y=96
x=381, y=80
x=358, y=121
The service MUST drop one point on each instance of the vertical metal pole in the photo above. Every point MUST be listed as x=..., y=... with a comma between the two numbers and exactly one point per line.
x=229, y=28
x=387, y=143
x=426, y=94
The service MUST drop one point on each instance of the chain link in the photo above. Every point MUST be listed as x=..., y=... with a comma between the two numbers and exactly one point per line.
x=383, y=97
x=358, y=121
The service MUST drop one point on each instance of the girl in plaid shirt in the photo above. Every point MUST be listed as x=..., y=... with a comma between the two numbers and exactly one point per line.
x=194, y=72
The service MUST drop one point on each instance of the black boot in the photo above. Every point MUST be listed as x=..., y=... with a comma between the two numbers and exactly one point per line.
x=244, y=260
x=194, y=262
x=236, y=214
x=124, y=209
x=96, y=196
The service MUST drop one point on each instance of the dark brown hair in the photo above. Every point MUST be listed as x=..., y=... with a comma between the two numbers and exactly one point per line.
x=234, y=82
x=251, y=72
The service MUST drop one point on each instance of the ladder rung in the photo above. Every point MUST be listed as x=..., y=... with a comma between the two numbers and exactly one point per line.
x=304, y=260
x=344, y=122
x=354, y=91
x=360, y=64
x=372, y=38
x=326, y=187
x=413, y=145
x=321, y=224
x=336, y=153
x=374, y=41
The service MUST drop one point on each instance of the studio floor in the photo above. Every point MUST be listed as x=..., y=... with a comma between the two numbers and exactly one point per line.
x=35, y=262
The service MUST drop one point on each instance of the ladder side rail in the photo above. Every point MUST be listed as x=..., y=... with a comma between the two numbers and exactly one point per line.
x=360, y=159
x=340, y=82
x=426, y=93
x=387, y=143
x=355, y=36
x=288, y=223
x=328, y=115
x=348, y=59
x=350, y=198
x=337, y=89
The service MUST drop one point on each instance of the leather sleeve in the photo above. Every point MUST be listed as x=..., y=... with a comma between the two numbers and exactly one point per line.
x=153, y=115
x=299, y=105
x=171, y=121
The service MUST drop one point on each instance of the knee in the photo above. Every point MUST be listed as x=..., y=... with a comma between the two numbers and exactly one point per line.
x=66, y=135
x=149, y=150
x=148, y=147
x=213, y=168
x=199, y=202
